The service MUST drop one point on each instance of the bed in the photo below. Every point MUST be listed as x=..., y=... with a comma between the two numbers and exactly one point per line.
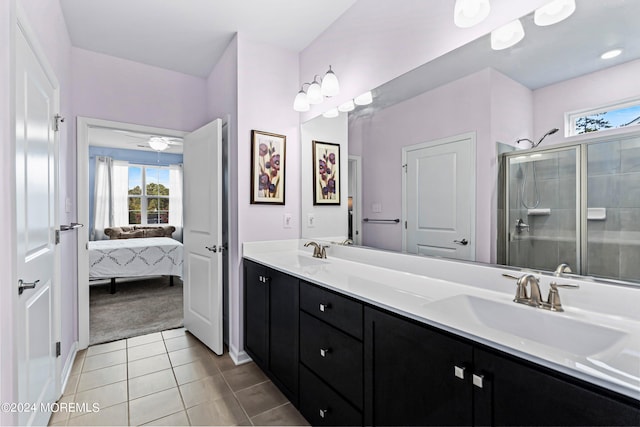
x=147, y=256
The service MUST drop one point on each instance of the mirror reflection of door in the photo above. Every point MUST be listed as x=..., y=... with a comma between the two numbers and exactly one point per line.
x=355, y=199
x=439, y=198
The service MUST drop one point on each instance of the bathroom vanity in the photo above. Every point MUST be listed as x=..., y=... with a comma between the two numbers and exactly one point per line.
x=371, y=338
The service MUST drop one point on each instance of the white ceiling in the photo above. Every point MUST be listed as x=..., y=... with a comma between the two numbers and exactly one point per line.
x=189, y=36
x=128, y=140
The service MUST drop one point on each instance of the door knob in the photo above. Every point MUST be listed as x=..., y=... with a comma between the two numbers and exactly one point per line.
x=213, y=248
x=22, y=285
x=463, y=242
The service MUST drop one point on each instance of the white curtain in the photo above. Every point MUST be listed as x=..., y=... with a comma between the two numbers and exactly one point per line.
x=175, y=200
x=120, y=182
x=103, y=195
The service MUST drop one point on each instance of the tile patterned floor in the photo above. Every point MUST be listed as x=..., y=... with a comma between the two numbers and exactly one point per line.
x=170, y=378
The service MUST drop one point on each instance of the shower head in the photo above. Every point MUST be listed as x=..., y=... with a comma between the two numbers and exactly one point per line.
x=535, y=144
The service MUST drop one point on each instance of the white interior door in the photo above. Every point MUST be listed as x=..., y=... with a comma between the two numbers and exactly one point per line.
x=439, y=198
x=36, y=216
x=203, y=234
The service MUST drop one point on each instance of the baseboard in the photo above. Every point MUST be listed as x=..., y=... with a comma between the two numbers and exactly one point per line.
x=68, y=365
x=239, y=357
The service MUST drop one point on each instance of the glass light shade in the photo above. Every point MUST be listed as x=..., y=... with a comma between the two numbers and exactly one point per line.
x=330, y=85
x=158, y=143
x=364, y=99
x=507, y=35
x=611, y=54
x=554, y=12
x=467, y=13
x=347, y=106
x=314, y=93
x=331, y=113
x=300, y=103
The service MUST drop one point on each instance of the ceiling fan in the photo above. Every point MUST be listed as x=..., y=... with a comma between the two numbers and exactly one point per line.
x=154, y=142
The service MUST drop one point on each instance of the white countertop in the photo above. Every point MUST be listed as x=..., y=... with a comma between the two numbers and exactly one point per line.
x=596, y=338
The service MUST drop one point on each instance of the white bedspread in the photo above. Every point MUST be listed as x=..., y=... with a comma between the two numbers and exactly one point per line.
x=151, y=256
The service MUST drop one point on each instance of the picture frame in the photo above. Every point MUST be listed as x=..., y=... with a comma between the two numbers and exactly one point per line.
x=326, y=173
x=268, y=168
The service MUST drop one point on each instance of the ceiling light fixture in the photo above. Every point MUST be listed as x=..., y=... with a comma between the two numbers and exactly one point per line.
x=364, y=99
x=158, y=143
x=318, y=89
x=332, y=113
x=347, y=106
x=467, y=13
x=611, y=54
x=554, y=12
x=507, y=35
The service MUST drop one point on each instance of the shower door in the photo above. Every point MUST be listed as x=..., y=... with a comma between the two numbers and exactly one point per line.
x=542, y=208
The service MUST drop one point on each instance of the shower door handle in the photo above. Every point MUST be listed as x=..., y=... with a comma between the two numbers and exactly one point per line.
x=463, y=242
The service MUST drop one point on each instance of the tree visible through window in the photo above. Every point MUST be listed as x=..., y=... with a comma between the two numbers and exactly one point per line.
x=148, y=195
x=616, y=116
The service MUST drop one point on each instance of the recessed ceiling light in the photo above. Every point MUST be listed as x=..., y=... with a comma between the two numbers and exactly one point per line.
x=611, y=54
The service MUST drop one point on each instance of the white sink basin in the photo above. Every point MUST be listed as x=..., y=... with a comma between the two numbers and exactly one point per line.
x=547, y=328
x=301, y=261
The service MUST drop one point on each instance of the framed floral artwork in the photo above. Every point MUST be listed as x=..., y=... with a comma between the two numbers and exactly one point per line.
x=267, y=167
x=326, y=173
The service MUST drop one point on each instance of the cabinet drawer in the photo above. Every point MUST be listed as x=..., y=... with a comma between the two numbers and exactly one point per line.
x=341, y=312
x=322, y=406
x=333, y=355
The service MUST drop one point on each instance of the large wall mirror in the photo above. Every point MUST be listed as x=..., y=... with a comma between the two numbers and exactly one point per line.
x=431, y=142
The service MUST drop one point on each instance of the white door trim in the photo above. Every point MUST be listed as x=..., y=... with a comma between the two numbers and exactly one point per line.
x=357, y=206
x=83, y=125
x=472, y=176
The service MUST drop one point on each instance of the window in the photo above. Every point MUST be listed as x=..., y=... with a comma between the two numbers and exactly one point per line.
x=609, y=117
x=149, y=191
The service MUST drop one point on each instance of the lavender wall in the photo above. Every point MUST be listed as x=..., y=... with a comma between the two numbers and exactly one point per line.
x=377, y=40
x=110, y=88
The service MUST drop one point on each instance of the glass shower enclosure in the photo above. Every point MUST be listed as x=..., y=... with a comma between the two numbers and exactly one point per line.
x=577, y=204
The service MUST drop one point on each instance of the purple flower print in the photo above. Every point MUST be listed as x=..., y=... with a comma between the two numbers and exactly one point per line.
x=269, y=163
x=322, y=167
x=332, y=186
x=264, y=181
x=275, y=162
x=332, y=158
x=263, y=150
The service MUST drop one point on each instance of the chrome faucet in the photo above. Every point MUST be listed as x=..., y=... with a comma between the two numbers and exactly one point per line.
x=561, y=269
x=347, y=242
x=319, y=251
x=535, y=299
x=553, y=300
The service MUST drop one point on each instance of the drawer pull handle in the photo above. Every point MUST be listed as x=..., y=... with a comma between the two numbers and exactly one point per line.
x=324, y=412
x=477, y=380
x=324, y=307
x=324, y=352
x=459, y=372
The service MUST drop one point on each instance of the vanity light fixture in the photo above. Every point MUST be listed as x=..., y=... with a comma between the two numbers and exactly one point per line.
x=158, y=143
x=332, y=113
x=364, y=99
x=467, y=13
x=507, y=35
x=611, y=54
x=554, y=12
x=347, y=106
x=318, y=89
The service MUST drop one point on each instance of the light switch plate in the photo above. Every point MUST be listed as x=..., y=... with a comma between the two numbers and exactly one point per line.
x=311, y=220
x=287, y=220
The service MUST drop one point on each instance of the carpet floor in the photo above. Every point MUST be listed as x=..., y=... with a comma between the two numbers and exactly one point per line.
x=137, y=308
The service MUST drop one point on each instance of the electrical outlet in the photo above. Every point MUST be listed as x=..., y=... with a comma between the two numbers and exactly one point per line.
x=311, y=220
x=287, y=220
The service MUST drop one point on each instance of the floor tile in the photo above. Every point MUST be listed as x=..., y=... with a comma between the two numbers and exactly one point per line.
x=224, y=362
x=112, y=416
x=194, y=371
x=184, y=341
x=104, y=397
x=103, y=360
x=284, y=415
x=260, y=398
x=145, y=350
x=172, y=333
x=144, y=339
x=101, y=377
x=154, y=406
x=61, y=416
x=151, y=383
x=209, y=388
x=72, y=385
x=177, y=419
x=244, y=376
x=186, y=355
x=225, y=411
x=148, y=365
x=76, y=368
x=107, y=347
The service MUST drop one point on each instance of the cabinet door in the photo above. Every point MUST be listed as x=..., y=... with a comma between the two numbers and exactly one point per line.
x=410, y=376
x=283, y=331
x=256, y=312
x=518, y=393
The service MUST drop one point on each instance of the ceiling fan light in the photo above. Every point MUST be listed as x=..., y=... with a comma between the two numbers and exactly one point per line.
x=314, y=93
x=300, y=103
x=554, y=12
x=158, y=143
x=330, y=114
x=467, y=13
x=507, y=35
x=364, y=99
x=347, y=106
x=330, y=85
x=611, y=54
